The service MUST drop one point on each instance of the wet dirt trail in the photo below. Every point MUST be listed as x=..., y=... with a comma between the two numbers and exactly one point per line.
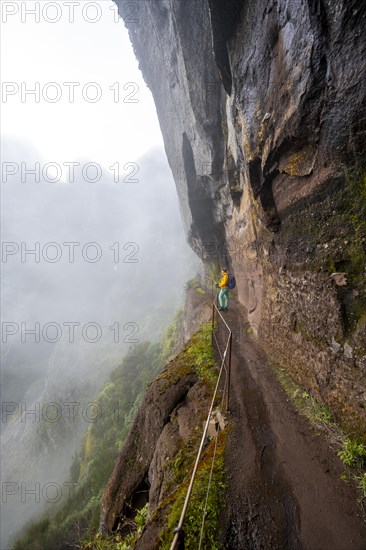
x=284, y=486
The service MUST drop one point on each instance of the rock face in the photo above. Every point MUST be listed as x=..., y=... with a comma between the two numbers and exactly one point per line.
x=261, y=106
x=151, y=440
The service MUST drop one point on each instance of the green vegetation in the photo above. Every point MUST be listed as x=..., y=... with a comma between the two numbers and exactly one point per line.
x=117, y=542
x=118, y=401
x=195, y=510
x=202, y=355
x=362, y=484
x=353, y=454
x=199, y=353
x=319, y=415
x=76, y=520
x=196, y=357
x=354, y=260
x=356, y=188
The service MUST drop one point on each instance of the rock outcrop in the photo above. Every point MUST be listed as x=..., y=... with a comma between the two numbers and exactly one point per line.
x=261, y=106
x=174, y=404
x=151, y=440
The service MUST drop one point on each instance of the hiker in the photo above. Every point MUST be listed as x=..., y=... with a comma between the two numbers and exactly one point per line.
x=224, y=292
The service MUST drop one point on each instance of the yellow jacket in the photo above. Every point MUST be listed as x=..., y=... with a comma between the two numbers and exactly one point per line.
x=224, y=281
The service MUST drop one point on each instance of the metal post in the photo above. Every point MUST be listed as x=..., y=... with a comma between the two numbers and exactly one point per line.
x=213, y=324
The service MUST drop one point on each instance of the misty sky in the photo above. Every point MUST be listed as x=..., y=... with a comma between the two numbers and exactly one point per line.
x=121, y=126
x=82, y=162
x=80, y=170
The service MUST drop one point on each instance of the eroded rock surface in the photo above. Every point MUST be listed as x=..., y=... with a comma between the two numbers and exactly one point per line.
x=158, y=431
x=261, y=105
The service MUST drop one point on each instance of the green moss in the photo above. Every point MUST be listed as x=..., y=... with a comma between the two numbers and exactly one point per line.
x=351, y=215
x=201, y=353
x=196, y=357
x=329, y=265
x=180, y=466
x=193, y=520
x=178, y=367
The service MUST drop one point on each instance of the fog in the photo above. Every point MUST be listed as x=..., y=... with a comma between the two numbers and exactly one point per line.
x=70, y=311
x=94, y=258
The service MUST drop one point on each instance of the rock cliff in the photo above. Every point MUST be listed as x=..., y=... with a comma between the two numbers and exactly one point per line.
x=261, y=106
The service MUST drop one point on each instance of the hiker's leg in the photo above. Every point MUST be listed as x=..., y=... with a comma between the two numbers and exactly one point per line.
x=221, y=297
x=226, y=298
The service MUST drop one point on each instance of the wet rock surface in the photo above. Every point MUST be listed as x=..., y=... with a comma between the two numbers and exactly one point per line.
x=261, y=106
x=130, y=474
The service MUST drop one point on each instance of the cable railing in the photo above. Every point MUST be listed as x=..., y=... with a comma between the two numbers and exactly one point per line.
x=216, y=314
x=225, y=367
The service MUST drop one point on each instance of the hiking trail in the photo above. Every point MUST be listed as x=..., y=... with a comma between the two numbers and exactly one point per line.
x=284, y=485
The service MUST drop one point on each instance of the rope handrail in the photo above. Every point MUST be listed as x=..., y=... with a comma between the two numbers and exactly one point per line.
x=207, y=495
x=220, y=314
x=178, y=529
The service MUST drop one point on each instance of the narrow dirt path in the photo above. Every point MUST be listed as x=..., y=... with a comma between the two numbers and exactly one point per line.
x=285, y=490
